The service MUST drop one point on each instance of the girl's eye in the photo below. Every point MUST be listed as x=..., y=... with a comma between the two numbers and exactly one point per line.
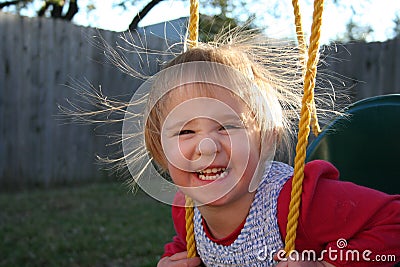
x=184, y=132
x=229, y=127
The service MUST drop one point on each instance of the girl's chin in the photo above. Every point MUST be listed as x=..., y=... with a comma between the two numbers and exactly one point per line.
x=208, y=191
x=207, y=196
x=213, y=203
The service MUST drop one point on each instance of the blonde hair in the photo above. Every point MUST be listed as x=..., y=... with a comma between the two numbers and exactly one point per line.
x=274, y=70
x=273, y=66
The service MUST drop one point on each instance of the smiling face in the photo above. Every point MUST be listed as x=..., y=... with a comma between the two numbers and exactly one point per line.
x=211, y=143
x=262, y=103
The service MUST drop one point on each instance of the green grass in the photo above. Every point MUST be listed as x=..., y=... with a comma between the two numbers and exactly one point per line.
x=93, y=225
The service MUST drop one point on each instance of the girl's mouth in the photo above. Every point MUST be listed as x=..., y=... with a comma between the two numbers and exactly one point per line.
x=211, y=174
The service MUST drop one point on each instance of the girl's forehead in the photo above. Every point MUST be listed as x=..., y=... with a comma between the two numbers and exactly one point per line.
x=191, y=91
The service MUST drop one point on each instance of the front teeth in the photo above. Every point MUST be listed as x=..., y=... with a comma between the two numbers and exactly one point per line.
x=219, y=173
x=213, y=170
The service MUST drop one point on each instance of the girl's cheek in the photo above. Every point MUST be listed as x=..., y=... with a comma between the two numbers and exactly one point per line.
x=178, y=155
x=173, y=174
x=240, y=144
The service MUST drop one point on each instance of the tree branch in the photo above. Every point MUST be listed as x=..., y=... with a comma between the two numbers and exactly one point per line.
x=142, y=13
x=43, y=9
x=72, y=10
x=9, y=3
x=56, y=12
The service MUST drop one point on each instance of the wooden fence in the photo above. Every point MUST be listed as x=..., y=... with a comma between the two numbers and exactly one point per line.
x=39, y=58
x=371, y=68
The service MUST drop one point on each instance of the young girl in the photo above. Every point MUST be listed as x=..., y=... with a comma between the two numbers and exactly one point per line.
x=219, y=120
x=214, y=118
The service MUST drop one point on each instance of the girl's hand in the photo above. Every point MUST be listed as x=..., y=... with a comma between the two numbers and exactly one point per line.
x=179, y=260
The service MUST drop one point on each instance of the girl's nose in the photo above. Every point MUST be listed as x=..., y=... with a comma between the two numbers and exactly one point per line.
x=208, y=147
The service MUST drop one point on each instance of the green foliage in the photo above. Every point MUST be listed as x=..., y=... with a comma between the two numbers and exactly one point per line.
x=95, y=225
x=356, y=33
x=62, y=9
x=210, y=26
x=396, y=28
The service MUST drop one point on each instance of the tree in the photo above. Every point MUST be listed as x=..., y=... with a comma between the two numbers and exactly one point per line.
x=396, y=28
x=135, y=22
x=57, y=7
x=220, y=13
x=222, y=18
x=213, y=25
x=356, y=32
x=67, y=9
x=209, y=24
x=51, y=8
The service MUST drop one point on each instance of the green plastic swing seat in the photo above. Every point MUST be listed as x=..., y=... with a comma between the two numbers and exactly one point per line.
x=365, y=146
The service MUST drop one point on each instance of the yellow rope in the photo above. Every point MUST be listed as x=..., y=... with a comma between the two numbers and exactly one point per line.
x=190, y=241
x=314, y=119
x=303, y=56
x=193, y=27
x=192, y=41
x=304, y=126
x=301, y=39
x=300, y=35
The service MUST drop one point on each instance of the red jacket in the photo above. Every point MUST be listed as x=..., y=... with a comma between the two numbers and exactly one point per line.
x=331, y=210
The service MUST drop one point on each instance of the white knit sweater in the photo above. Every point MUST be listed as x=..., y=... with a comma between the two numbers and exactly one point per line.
x=260, y=237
